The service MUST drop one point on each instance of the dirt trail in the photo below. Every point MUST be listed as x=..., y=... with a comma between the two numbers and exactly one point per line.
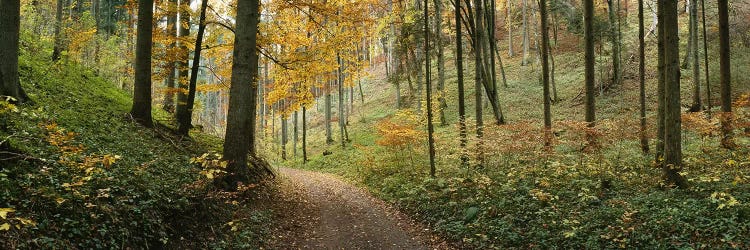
x=320, y=211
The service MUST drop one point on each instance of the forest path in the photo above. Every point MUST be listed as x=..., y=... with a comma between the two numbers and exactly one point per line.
x=320, y=211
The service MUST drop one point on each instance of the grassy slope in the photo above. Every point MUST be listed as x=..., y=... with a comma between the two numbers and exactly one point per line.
x=150, y=196
x=526, y=199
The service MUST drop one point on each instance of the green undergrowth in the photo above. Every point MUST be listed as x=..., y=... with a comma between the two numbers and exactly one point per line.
x=77, y=173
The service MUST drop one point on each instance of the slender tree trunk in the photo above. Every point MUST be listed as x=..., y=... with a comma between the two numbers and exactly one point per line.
x=304, y=134
x=141, y=110
x=329, y=134
x=660, y=127
x=614, y=37
x=296, y=134
x=183, y=77
x=341, y=103
x=241, y=116
x=724, y=67
x=284, y=134
x=478, y=78
x=590, y=72
x=57, y=49
x=642, y=77
x=525, y=28
x=430, y=128
x=171, y=33
x=441, y=60
x=460, y=80
x=672, y=135
x=697, y=104
x=705, y=59
x=509, y=23
x=186, y=116
x=690, y=45
x=545, y=73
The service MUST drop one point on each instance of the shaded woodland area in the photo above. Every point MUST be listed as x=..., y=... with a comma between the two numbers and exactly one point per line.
x=491, y=124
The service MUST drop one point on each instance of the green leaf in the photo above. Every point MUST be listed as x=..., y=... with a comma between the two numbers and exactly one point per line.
x=471, y=214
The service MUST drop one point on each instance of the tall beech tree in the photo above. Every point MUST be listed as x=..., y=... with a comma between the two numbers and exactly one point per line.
x=185, y=112
x=141, y=110
x=238, y=141
x=725, y=72
x=460, y=81
x=430, y=128
x=10, y=22
x=672, y=120
x=642, y=78
x=545, y=74
x=590, y=73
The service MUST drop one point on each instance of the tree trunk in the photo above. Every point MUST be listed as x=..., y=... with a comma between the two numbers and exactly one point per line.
x=341, y=103
x=509, y=23
x=241, y=116
x=57, y=49
x=705, y=59
x=10, y=24
x=725, y=80
x=141, y=110
x=660, y=126
x=171, y=33
x=614, y=37
x=525, y=28
x=441, y=60
x=590, y=72
x=460, y=80
x=552, y=74
x=304, y=134
x=478, y=78
x=697, y=104
x=545, y=73
x=284, y=134
x=296, y=134
x=186, y=116
x=183, y=79
x=430, y=128
x=690, y=45
x=672, y=134
x=329, y=132
x=642, y=77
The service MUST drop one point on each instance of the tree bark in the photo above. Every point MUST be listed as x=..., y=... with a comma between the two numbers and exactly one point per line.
x=478, y=72
x=341, y=103
x=141, y=110
x=545, y=73
x=590, y=73
x=171, y=31
x=241, y=116
x=460, y=81
x=695, y=56
x=509, y=23
x=328, y=116
x=614, y=37
x=183, y=79
x=10, y=24
x=725, y=80
x=642, y=78
x=430, y=128
x=441, y=60
x=705, y=59
x=284, y=134
x=57, y=49
x=525, y=28
x=660, y=126
x=304, y=134
x=185, y=118
x=672, y=134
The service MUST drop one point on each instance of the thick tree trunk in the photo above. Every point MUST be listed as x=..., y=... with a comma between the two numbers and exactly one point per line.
x=141, y=110
x=241, y=116
x=186, y=116
x=725, y=80
x=10, y=24
x=460, y=80
x=642, y=78
x=672, y=134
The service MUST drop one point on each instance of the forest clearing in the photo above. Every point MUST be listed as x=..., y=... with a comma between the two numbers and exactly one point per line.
x=374, y=124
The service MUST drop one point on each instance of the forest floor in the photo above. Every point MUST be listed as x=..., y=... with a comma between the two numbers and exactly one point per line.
x=319, y=210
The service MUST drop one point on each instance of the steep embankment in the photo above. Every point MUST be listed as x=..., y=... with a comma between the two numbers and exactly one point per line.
x=76, y=172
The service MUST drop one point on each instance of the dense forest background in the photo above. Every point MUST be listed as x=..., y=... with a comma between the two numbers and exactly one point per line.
x=496, y=124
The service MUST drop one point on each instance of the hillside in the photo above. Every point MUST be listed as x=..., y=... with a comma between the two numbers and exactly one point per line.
x=77, y=172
